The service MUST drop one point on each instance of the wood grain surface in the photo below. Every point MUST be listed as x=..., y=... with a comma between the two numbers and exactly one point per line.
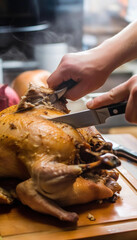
x=112, y=220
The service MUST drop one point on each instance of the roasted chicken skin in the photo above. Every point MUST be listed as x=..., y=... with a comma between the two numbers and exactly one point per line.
x=55, y=164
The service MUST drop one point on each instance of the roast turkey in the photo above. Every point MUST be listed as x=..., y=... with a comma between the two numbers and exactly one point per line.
x=52, y=164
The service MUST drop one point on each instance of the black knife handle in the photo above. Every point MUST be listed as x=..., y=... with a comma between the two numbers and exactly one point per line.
x=118, y=108
x=127, y=153
x=69, y=84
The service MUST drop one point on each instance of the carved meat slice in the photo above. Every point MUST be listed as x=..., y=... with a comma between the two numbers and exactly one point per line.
x=55, y=164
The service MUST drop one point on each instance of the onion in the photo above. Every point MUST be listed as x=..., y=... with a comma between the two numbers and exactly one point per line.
x=8, y=97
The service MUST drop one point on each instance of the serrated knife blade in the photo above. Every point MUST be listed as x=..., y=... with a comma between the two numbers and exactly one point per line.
x=91, y=117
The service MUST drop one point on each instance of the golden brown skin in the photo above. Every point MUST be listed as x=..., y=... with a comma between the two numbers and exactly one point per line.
x=47, y=158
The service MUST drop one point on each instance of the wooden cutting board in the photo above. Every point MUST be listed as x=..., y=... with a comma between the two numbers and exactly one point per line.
x=112, y=220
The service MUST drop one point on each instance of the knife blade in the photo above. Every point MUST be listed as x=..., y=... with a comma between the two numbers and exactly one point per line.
x=122, y=151
x=61, y=90
x=91, y=117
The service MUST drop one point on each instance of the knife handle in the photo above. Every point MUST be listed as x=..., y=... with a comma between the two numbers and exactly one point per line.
x=118, y=108
x=69, y=84
x=127, y=153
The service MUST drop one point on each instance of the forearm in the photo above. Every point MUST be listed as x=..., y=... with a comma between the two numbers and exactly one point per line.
x=91, y=68
x=121, y=48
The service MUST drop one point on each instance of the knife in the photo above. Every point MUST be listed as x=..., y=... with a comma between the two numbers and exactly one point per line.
x=61, y=90
x=122, y=151
x=91, y=117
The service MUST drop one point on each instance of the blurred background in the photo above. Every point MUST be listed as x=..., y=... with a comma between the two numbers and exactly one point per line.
x=35, y=34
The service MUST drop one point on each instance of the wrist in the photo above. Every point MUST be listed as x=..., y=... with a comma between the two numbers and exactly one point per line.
x=111, y=55
x=103, y=58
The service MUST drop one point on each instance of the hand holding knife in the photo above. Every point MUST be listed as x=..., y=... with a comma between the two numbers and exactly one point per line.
x=91, y=117
x=87, y=117
x=61, y=90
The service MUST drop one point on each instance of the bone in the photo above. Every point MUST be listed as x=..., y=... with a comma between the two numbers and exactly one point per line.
x=106, y=161
x=88, y=166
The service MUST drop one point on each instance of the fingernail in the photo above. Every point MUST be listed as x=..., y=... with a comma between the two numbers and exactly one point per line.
x=90, y=104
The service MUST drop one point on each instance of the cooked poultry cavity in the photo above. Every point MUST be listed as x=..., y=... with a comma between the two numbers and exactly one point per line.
x=52, y=165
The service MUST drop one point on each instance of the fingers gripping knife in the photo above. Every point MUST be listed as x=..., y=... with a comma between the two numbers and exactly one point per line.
x=87, y=117
x=61, y=90
x=91, y=117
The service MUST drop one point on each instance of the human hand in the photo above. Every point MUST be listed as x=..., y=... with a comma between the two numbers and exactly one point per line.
x=88, y=68
x=125, y=91
x=91, y=68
